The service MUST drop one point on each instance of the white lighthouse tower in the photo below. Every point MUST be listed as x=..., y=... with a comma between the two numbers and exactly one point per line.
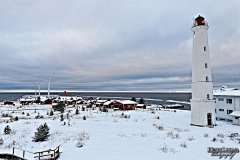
x=202, y=102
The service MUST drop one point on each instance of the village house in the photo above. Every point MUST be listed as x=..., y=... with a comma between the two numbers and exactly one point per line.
x=125, y=105
x=143, y=106
x=8, y=103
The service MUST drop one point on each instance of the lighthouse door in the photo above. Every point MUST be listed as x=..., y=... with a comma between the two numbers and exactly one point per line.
x=209, y=118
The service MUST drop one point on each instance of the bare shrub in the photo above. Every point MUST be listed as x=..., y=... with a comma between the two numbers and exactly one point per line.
x=160, y=127
x=81, y=137
x=220, y=135
x=157, y=117
x=80, y=144
x=144, y=134
x=172, y=135
x=1, y=141
x=181, y=130
x=183, y=144
x=153, y=112
x=177, y=135
x=191, y=138
x=206, y=134
x=214, y=139
x=165, y=149
x=122, y=135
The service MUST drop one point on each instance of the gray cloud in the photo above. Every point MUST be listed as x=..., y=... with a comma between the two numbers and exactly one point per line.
x=113, y=45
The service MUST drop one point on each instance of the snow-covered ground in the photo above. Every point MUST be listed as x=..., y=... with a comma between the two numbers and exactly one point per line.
x=116, y=135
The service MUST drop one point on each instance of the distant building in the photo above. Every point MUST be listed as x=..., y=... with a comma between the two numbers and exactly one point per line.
x=227, y=104
x=8, y=103
x=48, y=101
x=125, y=105
x=143, y=106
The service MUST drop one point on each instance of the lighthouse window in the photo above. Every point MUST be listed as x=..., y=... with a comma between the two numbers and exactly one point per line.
x=205, y=65
x=205, y=48
x=207, y=95
x=207, y=78
x=229, y=101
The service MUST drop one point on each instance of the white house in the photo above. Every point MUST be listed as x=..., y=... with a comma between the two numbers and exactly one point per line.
x=227, y=104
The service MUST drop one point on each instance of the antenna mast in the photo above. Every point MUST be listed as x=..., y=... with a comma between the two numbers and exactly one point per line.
x=39, y=85
x=49, y=85
x=35, y=87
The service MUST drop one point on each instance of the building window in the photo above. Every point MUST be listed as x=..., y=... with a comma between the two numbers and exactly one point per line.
x=207, y=78
x=129, y=106
x=237, y=117
x=205, y=48
x=220, y=99
x=229, y=101
x=229, y=111
x=222, y=110
x=206, y=65
x=207, y=96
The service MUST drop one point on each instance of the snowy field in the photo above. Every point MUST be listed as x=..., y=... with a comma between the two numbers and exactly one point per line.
x=115, y=135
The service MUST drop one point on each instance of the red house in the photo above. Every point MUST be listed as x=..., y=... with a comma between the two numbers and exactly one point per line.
x=143, y=106
x=8, y=103
x=125, y=105
x=48, y=101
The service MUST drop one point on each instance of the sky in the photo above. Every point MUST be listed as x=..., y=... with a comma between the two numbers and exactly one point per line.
x=120, y=45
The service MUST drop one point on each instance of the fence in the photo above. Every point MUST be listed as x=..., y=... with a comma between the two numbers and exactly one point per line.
x=51, y=154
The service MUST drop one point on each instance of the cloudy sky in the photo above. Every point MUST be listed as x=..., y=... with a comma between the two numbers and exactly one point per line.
x=114, y=45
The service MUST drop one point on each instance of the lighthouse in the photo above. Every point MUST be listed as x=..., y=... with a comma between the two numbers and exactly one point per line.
x=202, y=102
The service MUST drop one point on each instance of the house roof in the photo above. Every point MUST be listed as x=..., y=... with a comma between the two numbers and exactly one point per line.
x=225, y=91
x=108, y=102
x=101, y=101
x=235, y=114
x=127, y=102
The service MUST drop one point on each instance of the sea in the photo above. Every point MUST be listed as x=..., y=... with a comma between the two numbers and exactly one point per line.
x=150, y=98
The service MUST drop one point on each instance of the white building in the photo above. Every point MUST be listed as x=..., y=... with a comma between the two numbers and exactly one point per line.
x=227, y=104
x=202, y=102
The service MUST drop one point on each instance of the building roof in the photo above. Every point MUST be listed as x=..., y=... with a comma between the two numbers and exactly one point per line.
x=199, y=17
x=127, y=102
x=108, y=102
x=225, y=91
x=235, y=114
